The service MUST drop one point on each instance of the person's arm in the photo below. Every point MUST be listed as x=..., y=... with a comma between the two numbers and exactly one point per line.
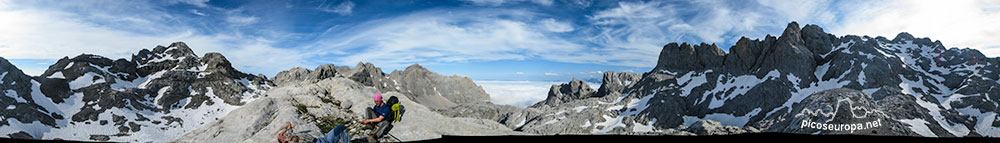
x=379, y=119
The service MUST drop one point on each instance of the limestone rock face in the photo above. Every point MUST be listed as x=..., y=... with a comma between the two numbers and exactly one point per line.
x=437, y=91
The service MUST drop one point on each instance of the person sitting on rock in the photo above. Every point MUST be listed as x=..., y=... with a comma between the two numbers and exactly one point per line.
x=375, y=115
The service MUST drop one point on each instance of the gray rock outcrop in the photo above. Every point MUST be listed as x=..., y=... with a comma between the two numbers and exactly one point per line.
x=575, y=89
x=710, y=127
x=839, y=111
x=257, y=121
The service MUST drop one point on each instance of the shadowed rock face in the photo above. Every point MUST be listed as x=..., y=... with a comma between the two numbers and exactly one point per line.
x=369, y=75
x=703, y=55
x=157, y=90
x=614, y=83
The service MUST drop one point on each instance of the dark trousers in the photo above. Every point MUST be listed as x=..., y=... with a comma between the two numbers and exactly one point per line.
x=380, y=126
x=336, y=135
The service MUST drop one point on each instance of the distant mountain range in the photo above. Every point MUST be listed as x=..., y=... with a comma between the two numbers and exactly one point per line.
x=910, y=86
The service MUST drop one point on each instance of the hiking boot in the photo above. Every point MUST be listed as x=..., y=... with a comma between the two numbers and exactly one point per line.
x=371, y=138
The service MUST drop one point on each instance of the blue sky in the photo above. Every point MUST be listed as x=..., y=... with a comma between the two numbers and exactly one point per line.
x=540, y=40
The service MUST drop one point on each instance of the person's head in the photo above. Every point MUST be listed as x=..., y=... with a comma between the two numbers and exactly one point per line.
x=378, y=98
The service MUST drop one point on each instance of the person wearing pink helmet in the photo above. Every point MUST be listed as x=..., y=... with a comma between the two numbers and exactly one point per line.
x=376, y=114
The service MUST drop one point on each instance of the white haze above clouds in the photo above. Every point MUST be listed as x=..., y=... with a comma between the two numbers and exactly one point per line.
x=520, y=93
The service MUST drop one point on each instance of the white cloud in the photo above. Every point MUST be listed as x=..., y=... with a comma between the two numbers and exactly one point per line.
x=242, y=20
x=501, y=2
x=520, y=93
x=516, y=93
x=556, y=26
x=805, y=12
x=551, y=74
x=632, y=33
x=199, y=3
x=591, y=73
x=344, y=8
x=520, y=72
x=581, y=3
x=443, y=37
x=196, y=12
x=31, y=34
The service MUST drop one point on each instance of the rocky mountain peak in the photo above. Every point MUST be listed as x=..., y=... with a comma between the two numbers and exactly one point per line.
x=434, y=90
x=903, y=36
x=792, y=32
x=369, y=75
x=817, y=40
x=299, y=74
x=416, y=68
x=216, y=62
x=686, y=57
x=574, y=90
x=295, y=74
x=614, y=83
x=176, y=50
x=325, y=71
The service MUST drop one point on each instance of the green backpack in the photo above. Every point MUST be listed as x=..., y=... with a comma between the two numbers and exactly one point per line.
x=397, y=109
